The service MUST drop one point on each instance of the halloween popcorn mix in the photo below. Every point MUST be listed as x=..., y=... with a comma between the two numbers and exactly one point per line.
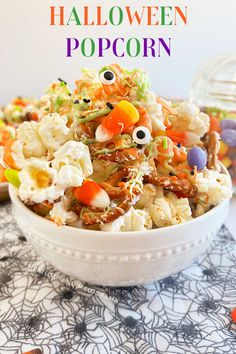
x=112, y=156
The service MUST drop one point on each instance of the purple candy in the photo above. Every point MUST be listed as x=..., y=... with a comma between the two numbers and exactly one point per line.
x=197, y=157
x=229, y=137
x=228, y=124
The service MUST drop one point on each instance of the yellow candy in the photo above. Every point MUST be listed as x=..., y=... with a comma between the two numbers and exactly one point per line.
x=223, y=148
x=226, y=162
x=129, y=111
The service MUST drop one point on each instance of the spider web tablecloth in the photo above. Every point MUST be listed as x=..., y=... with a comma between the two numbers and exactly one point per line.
x=188, y=312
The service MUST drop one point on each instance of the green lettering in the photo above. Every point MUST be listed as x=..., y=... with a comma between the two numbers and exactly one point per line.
x=165, y=15
x=74, y=17
x=138, y=47
x=120, y=16
x=84, y=47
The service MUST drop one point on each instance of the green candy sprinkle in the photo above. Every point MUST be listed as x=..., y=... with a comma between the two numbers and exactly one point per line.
x=164, y=144
x=12, y=177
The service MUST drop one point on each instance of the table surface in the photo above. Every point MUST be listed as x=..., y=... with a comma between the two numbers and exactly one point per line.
x=188, y=312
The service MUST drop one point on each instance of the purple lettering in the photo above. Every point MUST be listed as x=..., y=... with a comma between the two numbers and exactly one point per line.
x=102, y=48
x=115, y=48
x=69, y=46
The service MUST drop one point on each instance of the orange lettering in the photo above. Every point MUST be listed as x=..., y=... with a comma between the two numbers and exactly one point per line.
x=86, y=17
x=151, y=14
x=135, y=16
x=99, y=17
x=181, y=14
x=53, y=15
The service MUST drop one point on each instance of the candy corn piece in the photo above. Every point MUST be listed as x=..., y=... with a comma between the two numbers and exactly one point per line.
x=34, y=351
x=90, y=193
x=233, y=315
x=120, y=118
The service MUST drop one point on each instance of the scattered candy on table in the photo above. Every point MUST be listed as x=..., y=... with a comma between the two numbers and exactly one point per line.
x=225, y=124
x=233, y=315
x=34, y=351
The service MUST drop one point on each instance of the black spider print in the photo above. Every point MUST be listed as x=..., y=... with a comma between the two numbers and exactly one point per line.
x=9, y=259
x=78, y=329
x=29, y=325
x=190, y=331
x=130, y=322
x=209, y=274
x=65, y=348
x=132, y=326
x=6, y=258
x=185, y=333
x=41, y=276
x=225, y=236
x=209, y=305
x=65, y=294
x=22, y=238
x=120, y=293
x=33, y=323
x=6, y=284
x=171, y=283
x=5, y=278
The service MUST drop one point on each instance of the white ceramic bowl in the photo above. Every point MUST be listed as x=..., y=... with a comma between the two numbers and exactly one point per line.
x=119, y=259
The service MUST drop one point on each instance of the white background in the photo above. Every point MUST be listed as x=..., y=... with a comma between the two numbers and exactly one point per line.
x=32, y=53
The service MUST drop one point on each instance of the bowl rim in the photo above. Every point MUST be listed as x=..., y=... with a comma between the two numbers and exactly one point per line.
x=156, y=231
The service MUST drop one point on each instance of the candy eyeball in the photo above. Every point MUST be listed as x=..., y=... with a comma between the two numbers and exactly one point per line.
x=141, y=135
x=107, y=77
